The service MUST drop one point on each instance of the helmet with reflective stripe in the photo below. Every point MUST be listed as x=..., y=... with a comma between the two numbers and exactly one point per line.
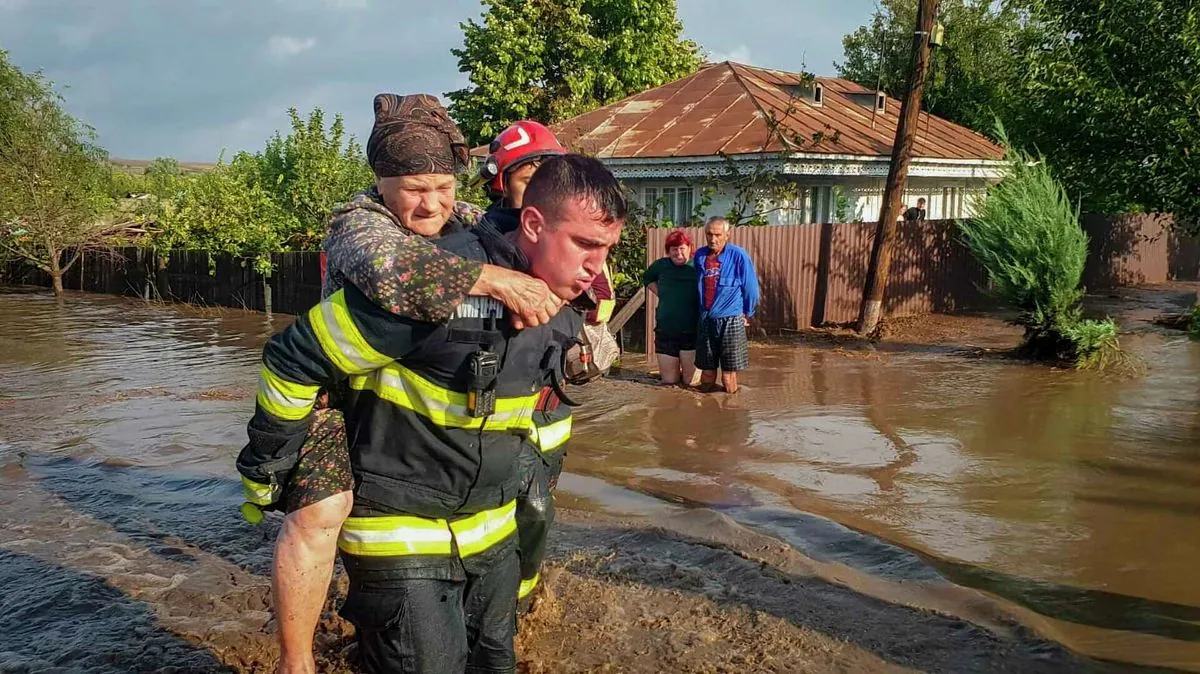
x=515, y=146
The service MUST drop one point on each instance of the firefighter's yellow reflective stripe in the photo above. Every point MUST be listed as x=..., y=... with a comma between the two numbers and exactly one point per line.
x=604, y=310
x=401, y=386
x=527, y=586
x=394, y=536
x=483, y=530
x=340, y=338
x=282, y=398
x=257, y=493
x=406, y=535
x=551, y=436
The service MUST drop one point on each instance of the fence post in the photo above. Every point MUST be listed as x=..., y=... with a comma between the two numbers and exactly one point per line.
x=266, y=279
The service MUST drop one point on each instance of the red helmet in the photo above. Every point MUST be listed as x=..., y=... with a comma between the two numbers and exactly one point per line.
x=519, y=144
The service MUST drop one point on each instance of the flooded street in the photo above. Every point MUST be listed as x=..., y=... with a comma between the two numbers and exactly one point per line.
x=1071, y=499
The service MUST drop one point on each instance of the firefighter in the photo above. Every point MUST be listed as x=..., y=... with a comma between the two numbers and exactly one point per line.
x=514, y=157
x=382, y=242
x=430, y=546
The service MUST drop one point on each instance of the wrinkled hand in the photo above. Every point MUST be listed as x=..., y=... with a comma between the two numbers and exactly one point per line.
x=529, y=299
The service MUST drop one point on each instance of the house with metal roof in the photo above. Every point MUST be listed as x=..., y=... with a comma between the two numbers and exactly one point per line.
x=708, y=142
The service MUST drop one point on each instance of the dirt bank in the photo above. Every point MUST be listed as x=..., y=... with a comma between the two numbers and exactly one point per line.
x=698, y=593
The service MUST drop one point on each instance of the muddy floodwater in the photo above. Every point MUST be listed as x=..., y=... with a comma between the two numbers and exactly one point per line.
x=1071, y=501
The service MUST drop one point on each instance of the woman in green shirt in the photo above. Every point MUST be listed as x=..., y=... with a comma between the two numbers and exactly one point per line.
x=675, y=280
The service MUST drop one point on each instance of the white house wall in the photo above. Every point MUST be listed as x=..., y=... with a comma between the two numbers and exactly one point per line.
x=945, y=197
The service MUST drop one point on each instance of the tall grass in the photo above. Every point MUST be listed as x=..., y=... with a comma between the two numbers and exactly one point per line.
x=1026, y=235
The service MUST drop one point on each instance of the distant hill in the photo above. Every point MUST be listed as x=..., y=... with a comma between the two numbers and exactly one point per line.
x=138, y=166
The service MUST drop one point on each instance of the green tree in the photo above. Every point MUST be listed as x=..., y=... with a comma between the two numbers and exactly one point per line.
x=257, y=204
x=1112, y=98
x=311, y=170
x=1026, y=236
x=550, y=60
x=971, y=75
x=227, y=209
x=55, y=181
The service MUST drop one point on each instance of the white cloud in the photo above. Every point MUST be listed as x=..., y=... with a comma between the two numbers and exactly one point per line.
x=286, y=46
x=739, y=54
x=345, y=4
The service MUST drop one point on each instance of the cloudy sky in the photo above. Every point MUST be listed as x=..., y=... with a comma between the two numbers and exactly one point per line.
x=186, y=78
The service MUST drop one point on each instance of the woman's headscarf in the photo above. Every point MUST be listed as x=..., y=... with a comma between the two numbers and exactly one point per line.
x=413, y=134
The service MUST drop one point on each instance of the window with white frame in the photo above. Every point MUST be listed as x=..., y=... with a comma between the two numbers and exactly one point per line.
x=810, y=205
x=670, y=202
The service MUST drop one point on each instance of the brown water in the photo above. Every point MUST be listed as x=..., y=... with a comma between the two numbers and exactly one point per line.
x=1073, y=498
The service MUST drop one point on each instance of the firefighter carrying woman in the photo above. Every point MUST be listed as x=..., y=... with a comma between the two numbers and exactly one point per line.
x=405, y=256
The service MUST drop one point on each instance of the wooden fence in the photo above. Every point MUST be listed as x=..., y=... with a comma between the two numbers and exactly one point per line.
x=195, y=277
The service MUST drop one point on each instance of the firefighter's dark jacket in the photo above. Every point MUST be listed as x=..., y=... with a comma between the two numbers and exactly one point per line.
x=415, y=449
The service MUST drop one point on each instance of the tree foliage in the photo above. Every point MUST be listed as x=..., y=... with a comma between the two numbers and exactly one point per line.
x=1027, y=237
x=550, y=60
x=1111, y=95
x=1106, y=90
x=257, y=204
x=309, y=171
x=227, y=209
x=56, y=197
x=627, y=260
x=971, y=76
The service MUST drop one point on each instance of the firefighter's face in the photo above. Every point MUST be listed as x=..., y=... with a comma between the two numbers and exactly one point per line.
x=516, y=181
x=567, y=249
x=423, y=203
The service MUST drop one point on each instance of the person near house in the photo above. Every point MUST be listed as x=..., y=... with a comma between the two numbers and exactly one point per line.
x=514, y=157
x=430, y=546
x=378, y=243
x=674, y=280
x=728, y=289
x=916, y=213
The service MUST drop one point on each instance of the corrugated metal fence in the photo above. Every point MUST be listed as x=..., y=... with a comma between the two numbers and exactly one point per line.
x=813, y=275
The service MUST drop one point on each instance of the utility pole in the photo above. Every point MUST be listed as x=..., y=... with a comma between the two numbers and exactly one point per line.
x=902, y=149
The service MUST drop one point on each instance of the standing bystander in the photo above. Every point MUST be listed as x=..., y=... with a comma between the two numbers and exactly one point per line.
x=674, y=279
x=728, y=297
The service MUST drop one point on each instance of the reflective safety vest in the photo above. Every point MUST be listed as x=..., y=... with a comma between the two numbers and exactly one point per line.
x=445, y=475
x=401, y=535
x=552, y=421
x=431, y=478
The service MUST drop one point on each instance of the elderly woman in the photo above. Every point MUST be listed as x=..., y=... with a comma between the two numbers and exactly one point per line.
x=675, y=280
x=379, y=243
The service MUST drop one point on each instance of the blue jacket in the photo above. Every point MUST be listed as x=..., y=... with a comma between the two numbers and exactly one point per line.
x=737, y=287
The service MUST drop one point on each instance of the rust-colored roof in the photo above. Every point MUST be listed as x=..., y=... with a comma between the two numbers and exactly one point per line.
x=725, y=107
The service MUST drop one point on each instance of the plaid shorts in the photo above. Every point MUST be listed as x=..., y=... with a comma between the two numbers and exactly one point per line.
x=722, y=344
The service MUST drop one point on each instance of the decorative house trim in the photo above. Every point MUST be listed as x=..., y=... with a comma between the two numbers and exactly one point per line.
x=807, y=164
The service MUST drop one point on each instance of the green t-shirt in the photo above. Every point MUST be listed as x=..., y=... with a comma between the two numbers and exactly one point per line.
x=678, y=295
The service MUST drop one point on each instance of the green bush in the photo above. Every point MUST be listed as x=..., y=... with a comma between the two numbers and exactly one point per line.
x=1027, y=237
x=627, y=259
x=1194, y=323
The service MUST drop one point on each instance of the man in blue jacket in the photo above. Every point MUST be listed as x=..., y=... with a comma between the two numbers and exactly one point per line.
x=728, y=298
